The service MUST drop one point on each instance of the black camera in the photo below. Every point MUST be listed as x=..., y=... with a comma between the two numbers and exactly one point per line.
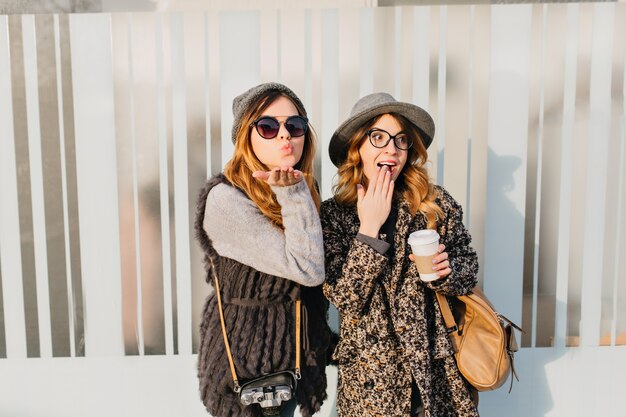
x=269, y=391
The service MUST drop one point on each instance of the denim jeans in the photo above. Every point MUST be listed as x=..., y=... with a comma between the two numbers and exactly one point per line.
x=417, y=408
x=289, y=408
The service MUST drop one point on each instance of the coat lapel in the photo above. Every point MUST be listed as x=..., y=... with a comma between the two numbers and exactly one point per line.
x=405, y=224
x=400, y=244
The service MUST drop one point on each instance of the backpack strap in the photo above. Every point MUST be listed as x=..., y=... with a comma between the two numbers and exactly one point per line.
x=451, y=324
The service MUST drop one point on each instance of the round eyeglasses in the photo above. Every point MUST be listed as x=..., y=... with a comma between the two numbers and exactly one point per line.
x=380, y=138
x=268, y=127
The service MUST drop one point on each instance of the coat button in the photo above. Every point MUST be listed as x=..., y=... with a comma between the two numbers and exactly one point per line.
x=371, y=339
x=369, y=385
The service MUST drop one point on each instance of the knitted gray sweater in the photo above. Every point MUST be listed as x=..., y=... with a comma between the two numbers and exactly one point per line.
x=240, y=231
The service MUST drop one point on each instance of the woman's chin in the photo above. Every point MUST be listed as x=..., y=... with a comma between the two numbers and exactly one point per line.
x=288, y=161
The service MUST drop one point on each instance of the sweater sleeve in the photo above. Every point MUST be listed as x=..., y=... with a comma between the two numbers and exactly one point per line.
x=238, y=230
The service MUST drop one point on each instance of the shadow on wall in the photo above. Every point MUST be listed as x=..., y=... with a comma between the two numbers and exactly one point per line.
x=503, y=216
x=531, y=396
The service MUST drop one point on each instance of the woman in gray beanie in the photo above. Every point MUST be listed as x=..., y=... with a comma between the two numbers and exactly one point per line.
x=259, y=227
x=394, y=355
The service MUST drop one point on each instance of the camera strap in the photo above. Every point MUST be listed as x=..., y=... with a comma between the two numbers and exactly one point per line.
x=236, y=386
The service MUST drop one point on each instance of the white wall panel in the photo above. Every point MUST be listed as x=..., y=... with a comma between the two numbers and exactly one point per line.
x=240, y=66
x=508, y=135
x=456, y=98
x=421, y=57
x=565, y=200
x=397, y=54
x=619, y=305
x=10, y=256
x=36, y=178
x=135, y=127
x=90, y=37
x=440, y=119
x=270, y=39
x=131, y=386
x=477, y=190
x=181, y=185
x=293, y=51
x=366, y=54
x=350, y=63
x=64, y=185
x=168, y=320
x=307, y=97
x=560, y=382
x=329, y=94
x=596, y=181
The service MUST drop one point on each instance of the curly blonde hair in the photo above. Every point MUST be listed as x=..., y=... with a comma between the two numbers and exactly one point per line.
x=244, y=162
x=413, y=183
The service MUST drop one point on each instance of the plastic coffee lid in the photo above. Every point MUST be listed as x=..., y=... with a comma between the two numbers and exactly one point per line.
x=423, y=237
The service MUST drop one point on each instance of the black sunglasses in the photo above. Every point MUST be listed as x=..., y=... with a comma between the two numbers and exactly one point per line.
x=268, y=127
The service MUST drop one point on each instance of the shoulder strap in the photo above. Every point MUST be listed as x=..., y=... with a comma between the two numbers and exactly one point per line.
x=233, y=372
x=448, y=318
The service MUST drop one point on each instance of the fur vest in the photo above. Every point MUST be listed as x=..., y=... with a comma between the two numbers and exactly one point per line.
x=260, y=323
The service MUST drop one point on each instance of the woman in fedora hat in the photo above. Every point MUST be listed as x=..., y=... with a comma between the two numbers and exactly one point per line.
x=259, y=227
x=394, y=355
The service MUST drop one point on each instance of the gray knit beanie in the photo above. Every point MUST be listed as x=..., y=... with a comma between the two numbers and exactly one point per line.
x=244, y=100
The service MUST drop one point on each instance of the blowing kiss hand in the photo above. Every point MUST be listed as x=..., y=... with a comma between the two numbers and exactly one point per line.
x=279, y=176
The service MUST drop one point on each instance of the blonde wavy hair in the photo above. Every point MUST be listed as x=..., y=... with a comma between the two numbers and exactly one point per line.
x=244, y=162
x=413, y=183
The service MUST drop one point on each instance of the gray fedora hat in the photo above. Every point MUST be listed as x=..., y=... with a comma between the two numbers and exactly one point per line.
x=246, y=99
x=371, y=106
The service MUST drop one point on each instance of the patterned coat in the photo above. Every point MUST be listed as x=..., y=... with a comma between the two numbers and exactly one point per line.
x=392, y=330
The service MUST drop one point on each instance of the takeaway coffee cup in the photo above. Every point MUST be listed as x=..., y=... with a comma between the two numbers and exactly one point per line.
x=424, y=244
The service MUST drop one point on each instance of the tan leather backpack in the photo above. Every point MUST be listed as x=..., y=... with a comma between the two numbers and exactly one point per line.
x=483, y=340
